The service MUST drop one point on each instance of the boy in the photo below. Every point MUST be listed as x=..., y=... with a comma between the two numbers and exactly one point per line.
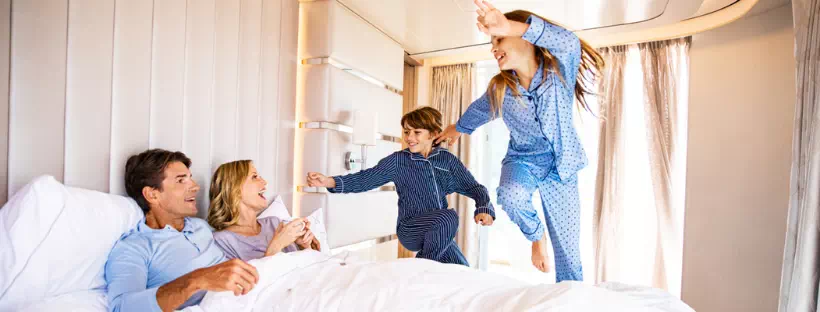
x=424, y=175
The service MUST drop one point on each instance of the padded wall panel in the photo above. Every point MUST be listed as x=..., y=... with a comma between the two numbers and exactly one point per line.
x=343, y=215
x=250, y=27
x=330, y=93
x=269, y=92
x=286, y=116
x=37, y=90
x=333, y=94
x=131, y=86
x=168, y=74
x=5, y=37
x=89, y=61
x=197, y=92
x=226, y=70
x=146, y=74
x=331, y=30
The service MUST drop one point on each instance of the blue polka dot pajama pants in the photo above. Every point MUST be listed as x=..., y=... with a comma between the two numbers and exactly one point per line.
x=561, y=204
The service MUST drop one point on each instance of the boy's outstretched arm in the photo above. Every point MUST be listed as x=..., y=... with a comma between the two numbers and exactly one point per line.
x=366, y=179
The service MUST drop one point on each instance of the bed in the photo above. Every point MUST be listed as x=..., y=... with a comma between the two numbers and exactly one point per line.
x=55, y=241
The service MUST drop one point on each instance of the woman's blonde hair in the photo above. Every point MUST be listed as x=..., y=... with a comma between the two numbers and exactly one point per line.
x=226, y=193
x=591, y=65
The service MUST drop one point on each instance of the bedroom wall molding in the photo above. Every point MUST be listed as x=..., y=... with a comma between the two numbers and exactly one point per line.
x=358, y=73
x=322, y=190
x=343, y=128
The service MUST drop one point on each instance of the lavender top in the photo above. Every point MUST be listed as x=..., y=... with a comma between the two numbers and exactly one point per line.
x=248, y=248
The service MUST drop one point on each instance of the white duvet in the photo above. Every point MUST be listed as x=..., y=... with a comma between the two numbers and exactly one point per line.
x=311, y=281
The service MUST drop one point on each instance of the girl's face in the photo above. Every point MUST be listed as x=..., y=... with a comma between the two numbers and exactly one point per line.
x=253, y=191
x=512, y=52
x=418, y=140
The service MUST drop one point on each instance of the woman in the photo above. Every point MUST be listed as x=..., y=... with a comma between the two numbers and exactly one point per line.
x=236, y=200
x=540, y=66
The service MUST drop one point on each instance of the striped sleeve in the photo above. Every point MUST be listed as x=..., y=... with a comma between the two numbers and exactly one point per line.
x=367, y=179
x=465, y=184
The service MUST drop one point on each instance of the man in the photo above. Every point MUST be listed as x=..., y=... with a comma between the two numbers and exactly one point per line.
x=169, y=260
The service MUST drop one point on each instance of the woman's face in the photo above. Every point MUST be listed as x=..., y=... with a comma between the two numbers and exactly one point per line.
x=418, y=140
x=253, y=191
x=512, y=52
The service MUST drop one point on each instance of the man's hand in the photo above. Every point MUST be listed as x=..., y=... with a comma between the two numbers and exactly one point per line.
x=232, y=275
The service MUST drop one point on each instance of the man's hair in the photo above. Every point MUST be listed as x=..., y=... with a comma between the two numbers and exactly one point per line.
x=148, y=169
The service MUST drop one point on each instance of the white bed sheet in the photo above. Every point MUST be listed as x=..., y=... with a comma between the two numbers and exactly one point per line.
x=312, y=281
x=309, y=281
x=80, y=301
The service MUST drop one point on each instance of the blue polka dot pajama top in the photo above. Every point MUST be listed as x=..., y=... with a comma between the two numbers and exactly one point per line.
x=545, y=152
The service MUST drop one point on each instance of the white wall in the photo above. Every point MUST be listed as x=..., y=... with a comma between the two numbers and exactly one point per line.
x=94, y=81
x=740, y=129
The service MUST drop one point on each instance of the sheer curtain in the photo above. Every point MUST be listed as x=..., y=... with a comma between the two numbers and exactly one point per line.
x=452, y=93
x=608, y=199
x=665, y=67
x=801, y=261
x=641, y=170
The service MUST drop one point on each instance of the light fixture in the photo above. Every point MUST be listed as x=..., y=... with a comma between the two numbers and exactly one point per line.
x=364, y=133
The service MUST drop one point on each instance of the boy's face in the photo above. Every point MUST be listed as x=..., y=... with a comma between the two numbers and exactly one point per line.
x=419, y=140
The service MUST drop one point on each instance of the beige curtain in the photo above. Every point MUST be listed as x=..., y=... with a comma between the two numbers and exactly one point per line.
x=663, y=64
x=451, y=94
x=608, y=197
x=801, y=260
x=664, y=67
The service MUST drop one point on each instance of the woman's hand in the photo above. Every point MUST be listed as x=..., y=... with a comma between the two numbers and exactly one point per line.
x=286, y=234
x=308, y=241
x=449, y=135
x=318, y=179
x=492, y=22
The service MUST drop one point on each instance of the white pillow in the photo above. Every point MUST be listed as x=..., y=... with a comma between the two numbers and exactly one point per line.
x=278, y=209
x=60, y=238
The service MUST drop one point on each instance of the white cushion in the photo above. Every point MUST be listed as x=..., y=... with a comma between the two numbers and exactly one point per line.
x=56, y=240
x=278, y=209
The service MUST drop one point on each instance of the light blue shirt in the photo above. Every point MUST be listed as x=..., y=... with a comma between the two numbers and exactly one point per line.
x=540, y=120
x=145, y=259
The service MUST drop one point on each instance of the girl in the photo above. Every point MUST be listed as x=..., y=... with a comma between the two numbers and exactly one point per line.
x=540, y=64
x=236, y=201
x=424, y=175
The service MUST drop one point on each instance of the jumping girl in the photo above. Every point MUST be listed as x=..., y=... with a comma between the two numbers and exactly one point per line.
x=543, y=67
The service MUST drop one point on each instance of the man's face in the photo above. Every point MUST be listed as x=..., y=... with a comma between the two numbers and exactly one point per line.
x=178, y=194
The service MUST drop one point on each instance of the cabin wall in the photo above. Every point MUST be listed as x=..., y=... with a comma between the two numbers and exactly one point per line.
x=741, y=107
x=92, y=82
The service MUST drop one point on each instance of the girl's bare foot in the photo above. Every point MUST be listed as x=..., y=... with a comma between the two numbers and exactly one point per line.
x=539, y=254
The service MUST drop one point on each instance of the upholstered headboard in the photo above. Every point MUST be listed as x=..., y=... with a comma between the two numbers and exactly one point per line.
x=91, y=83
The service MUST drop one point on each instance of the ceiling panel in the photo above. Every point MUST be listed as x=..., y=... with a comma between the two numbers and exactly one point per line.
x=710, y=6
x=424, y=26
x=431, y=28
